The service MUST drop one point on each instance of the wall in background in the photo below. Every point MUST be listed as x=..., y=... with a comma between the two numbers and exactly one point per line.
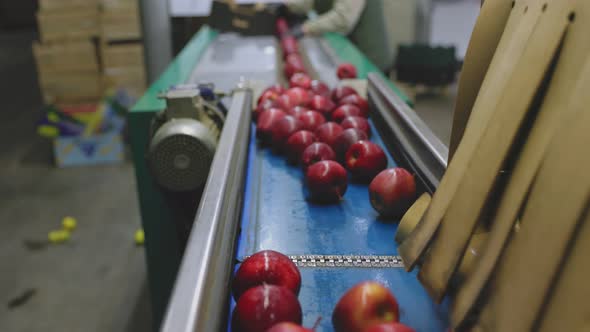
x=17, y=14
x=452, y=23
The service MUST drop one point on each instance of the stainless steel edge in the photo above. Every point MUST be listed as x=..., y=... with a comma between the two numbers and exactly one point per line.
x=420, y=146
x=200, y=298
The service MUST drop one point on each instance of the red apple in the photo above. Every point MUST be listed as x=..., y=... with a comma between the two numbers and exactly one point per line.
x=262, y=307
x=299, y=96
x=364, y=305
x=357, y=122
x=365, y=160
x=289, y=327
x=316, y=152
x=283, y=129
x=297, y=143
x=322, y=104
x=265, y=105
x=346, y=139
x=286, y=102
x=300, y=80
x=341, y=92
x=345, y=111
x=275, y=88
x=346, y=70
x=392, y=192
x=297, y=110
x=389, y=327
x=328, y=132
x=311, y=119
x=289, y=45
x=296, y=60
x=266, y=122
x=291, y=70
x=327, y=181
x=268, y=95
x=266, y=267
x=320, y=88
x=282, y=27
x=358, y=101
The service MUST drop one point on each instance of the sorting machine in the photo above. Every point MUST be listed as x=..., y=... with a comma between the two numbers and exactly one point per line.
x=243, y=198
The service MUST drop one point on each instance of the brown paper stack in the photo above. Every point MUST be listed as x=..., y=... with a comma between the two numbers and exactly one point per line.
x=517, y=165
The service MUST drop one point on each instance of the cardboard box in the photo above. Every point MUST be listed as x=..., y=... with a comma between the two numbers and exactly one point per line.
x=123, y=24
x=75, y=56
x=62, y=86
x=68, y=25
x=122, y=55
x=131, y=79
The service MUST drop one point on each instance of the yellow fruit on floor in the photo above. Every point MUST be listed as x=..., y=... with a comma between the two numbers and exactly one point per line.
x=69, y=223
x=59, y=236
x=139, y=237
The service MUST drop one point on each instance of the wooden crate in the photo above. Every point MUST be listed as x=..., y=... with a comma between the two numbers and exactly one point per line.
x=122, y=55
x=68, y=25
x=50, y=5
x=61, y=86
x=131, y=78
x=75, y=56
x=120, y=24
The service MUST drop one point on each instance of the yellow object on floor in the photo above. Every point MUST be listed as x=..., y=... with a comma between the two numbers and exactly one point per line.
x=69, y=223
x=139, y=237
x=57, y=237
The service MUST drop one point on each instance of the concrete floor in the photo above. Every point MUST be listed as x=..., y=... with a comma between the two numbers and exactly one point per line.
x=96, y=281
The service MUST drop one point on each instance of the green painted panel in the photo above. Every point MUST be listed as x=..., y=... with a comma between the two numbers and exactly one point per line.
x=163, y=250
x=348, y=52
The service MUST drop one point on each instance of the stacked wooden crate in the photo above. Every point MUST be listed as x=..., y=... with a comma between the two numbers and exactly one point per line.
x=66, y=55
x=87, y=47
x=121, y=46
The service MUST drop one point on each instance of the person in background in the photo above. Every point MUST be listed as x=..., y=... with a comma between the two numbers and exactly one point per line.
x=363, y=21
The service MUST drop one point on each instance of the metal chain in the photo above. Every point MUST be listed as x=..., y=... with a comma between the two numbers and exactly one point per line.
x=346, y=261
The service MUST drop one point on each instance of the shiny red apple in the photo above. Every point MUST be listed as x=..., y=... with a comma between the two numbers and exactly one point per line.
x=266, y=122
x=328, y=132
x=299, y=96
x=392, y=192
x=346, y=71
x=297, y=110
x=357, y=122
x=262, y=307
x=275, y=89
x=286, y=102
x=316, y=152
x=266, y=104
x=320, y=88
x=365, y=160
x=295, y=59
x=266, y=267
x=389, y=327
x=297, y=143
x=289, y=45
x=344, y=111
x=291, y=69
x=300, y=80
x=327, y=181
x=346, y=139
x=282, y=27
x=364, y=305
x=283, y=129
x=288, y=327
x=323, y=105
x=358, y=101
x=342, y=91
x=311, y=119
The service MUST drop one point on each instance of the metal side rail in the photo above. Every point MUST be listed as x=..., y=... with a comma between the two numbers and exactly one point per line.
x=200, y=299
x=416, y=147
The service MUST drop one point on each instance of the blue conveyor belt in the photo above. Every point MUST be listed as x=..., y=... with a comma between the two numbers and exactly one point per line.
x=277, y=215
